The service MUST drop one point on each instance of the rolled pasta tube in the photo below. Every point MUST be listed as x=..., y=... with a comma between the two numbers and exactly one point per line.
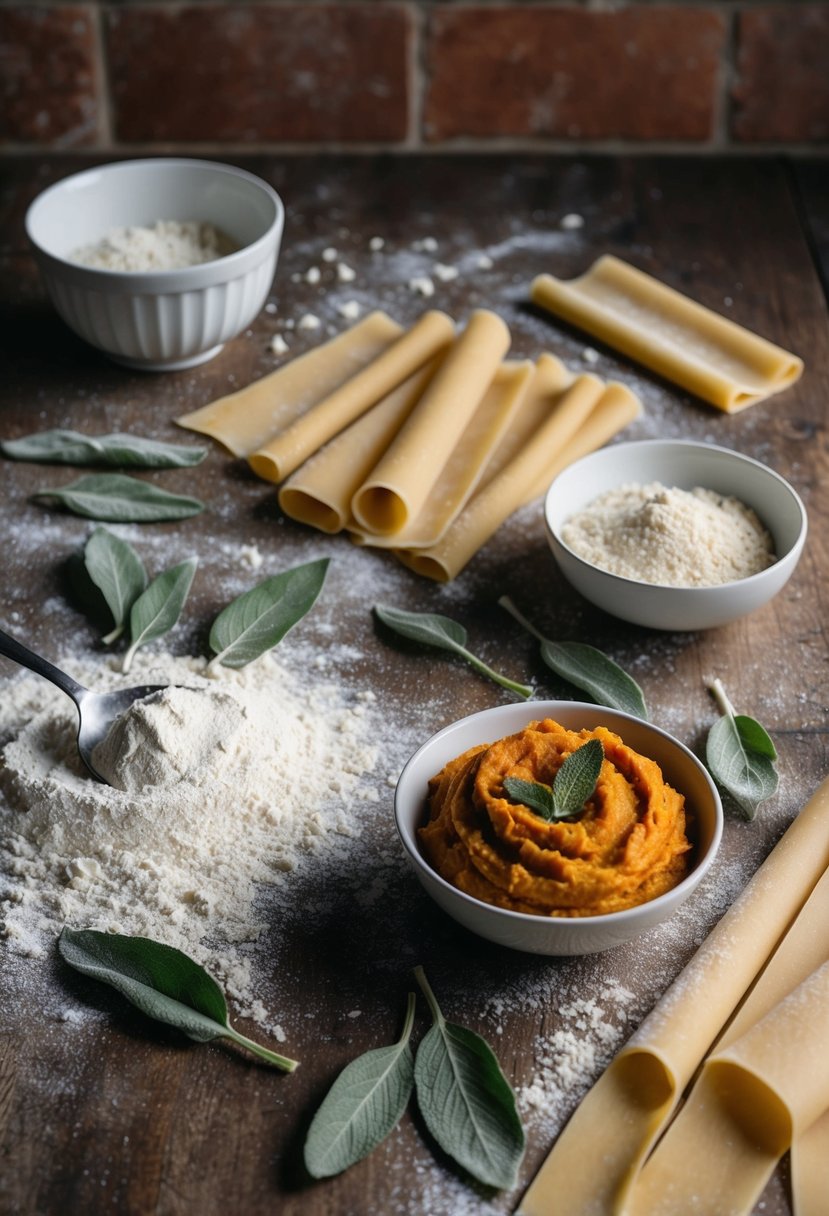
x=590, y=1170
x=279, y=458
x=810, y=1169
x=671, y=334
x=245, y=420
x=462, y=471
x=319, y=493
x=399, y=486
x=753, y=1097
x=539, y=460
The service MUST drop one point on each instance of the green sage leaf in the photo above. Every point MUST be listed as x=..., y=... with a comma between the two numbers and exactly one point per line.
x=740, y=756
x=117, y=570
x=71, y=447
x=588, y=669
x=119, y=499
x=362, y=1106
x=157, y=610
x=259, y=619
x=573, y=784
x=162, y=982
x=465, y=1099
x=534, y=794
x=432, y=629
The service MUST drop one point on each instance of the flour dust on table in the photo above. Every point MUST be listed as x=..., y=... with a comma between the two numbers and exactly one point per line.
x=214, y=805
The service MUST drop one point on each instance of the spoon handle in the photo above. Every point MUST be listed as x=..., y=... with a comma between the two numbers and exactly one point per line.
x=19, y=653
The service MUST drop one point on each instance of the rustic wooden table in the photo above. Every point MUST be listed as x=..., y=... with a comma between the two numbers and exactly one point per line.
x=114, y=1114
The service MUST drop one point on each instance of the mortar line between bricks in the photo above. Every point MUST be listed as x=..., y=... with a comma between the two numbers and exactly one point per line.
x=416, y=74
x=103, y=79
x=466, y=148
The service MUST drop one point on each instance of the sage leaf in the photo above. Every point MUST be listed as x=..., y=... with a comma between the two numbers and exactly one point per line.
x=115, y=498
x=740, y=756
x=259, y=619
x=71, y=447
x=362, y=1106
x=431, y=629
x=157, y=609
x=465, y=1099
x=573, y=784
x=162, y=982
x=117, y=570
x=588, y=669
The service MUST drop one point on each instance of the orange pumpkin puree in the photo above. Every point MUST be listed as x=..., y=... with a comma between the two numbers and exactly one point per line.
x=627, y=847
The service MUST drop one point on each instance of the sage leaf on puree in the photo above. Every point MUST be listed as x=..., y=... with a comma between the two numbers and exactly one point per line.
x=157, y=609
x=162, y=982
x=572, y=785
x=71, y=447
x=116, y=498
x=362, y=1106
x=587, y=668
x=259, y=619
x=118, y=572
x=431, y=629
x=740, y=756
x=466, y=1100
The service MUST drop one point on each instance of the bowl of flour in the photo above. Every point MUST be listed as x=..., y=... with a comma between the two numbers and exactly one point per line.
x=673, y=534
x=158, y=262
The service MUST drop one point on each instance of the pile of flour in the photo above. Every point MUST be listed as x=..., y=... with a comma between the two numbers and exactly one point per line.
x=673, y=537
x=165, y=245
x=178, y=861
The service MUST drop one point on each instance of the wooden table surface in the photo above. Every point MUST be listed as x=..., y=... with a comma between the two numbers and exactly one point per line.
x=114, y=1114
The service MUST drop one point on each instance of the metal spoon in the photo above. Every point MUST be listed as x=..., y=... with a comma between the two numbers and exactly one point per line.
x=96, y=710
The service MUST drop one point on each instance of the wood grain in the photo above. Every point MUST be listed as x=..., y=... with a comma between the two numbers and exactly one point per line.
x=116, y=1115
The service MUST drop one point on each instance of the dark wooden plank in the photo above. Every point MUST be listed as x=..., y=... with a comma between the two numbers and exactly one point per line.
x=114, y=1115
x=812, y=184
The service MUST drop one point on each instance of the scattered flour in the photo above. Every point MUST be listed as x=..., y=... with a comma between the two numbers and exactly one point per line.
x=376, y=244
x=350, y=309
x=422, y=284
x=671, y=537
x=345, y=273
x=165, y=245
x=330, y=254
x=177, y=862
x=309, y=321
x=278, y=345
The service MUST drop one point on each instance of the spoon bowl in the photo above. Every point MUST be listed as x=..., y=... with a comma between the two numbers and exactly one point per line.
x=96, y=710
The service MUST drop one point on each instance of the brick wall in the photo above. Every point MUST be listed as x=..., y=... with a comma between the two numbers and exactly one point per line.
x=145, y=75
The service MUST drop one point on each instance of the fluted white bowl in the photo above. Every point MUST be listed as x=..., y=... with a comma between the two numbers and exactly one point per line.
x=158, y=320
x=556, y=935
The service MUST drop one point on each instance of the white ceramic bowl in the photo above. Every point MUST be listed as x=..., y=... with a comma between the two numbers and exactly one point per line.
x=159, y=320
x=683, y=464
x=549, y=934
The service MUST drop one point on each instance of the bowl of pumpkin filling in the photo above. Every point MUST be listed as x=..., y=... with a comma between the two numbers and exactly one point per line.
x=557, y=827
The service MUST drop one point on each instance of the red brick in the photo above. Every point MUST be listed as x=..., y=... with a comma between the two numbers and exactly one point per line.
x=47, y=68
x=254, y=73
x=642, y=73
x=782, y=87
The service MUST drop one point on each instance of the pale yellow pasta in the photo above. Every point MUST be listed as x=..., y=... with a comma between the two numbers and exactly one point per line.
x=319, y=493
x=279, y=458
x=402, y=481
x=536, y=463
x=694, y=347
x=245, y=420
x=753, y=1097
x=462, y=471
x=592, y=1168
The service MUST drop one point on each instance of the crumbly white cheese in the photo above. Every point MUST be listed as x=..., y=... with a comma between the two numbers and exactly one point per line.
x=669, y=536
x=165, y=245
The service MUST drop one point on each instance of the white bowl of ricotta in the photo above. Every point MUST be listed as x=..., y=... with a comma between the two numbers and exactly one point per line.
x=640, y=583
x=169, y=315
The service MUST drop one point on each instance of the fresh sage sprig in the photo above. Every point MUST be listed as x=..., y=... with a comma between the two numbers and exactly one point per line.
x=71, y=447
x=465, y=1099
x=259, y=619
x=157, y=609
x=162, y=982
x=362, y=1106
x=116, y=498
x=589, y=669
x=740, y=756
x=572, y=785
x=118, y=572
x=431, y=629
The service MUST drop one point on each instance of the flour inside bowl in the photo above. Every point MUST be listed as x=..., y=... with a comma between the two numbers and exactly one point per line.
x=164, y=245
